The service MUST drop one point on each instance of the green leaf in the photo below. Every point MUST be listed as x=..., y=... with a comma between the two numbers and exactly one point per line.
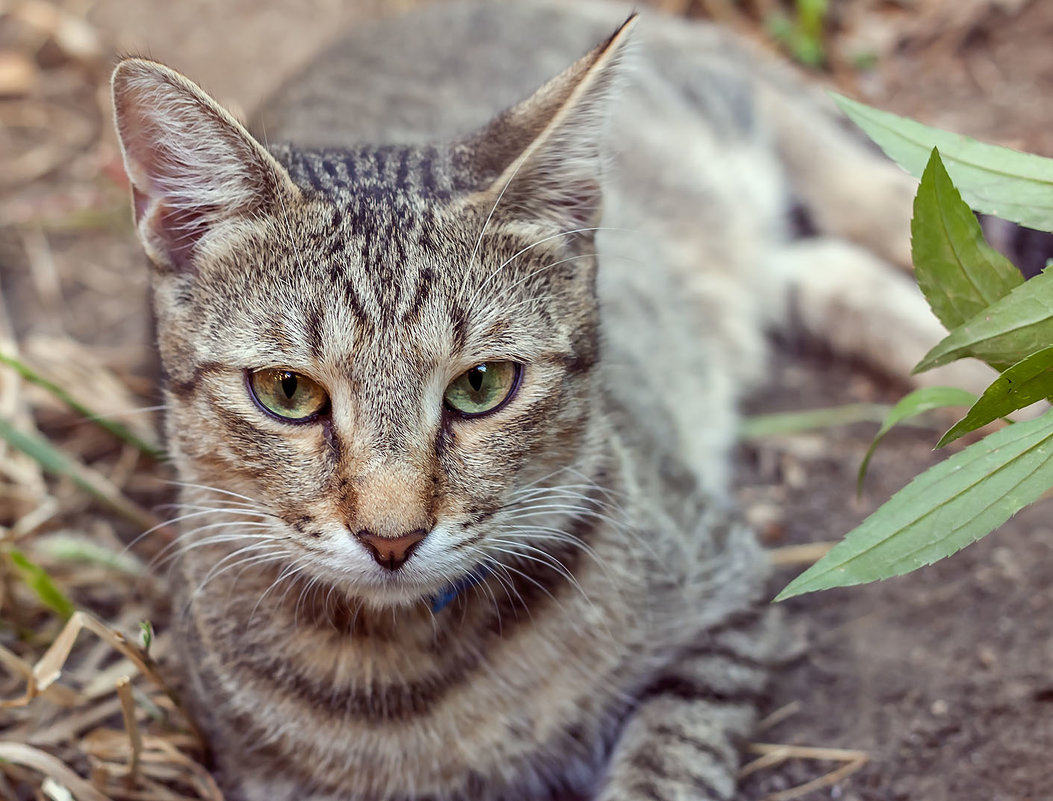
x=37, y=579
x=1026, y=382
x=122, y=432
x=959, y=273
x=60, y=464
x=85, y=551
x=995, y=180
x=917, y=402
x=941, y=511
x=769, y=425
x=1005, y=332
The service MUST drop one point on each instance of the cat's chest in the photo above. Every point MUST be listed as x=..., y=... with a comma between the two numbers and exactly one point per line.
x=444, y=696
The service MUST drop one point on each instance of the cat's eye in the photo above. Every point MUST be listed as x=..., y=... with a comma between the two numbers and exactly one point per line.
x=287, y=395
x=485, y=388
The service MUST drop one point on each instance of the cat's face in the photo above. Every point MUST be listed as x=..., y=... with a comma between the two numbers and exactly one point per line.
x=383, y=385
x=362, y=391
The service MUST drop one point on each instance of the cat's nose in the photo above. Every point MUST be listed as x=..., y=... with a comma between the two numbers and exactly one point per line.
x=391, y=552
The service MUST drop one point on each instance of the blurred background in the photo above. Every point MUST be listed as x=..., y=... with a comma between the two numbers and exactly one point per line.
x=934, y=686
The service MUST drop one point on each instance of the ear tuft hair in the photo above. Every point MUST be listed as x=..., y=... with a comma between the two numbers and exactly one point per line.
x=547, y=150
x=192, y=166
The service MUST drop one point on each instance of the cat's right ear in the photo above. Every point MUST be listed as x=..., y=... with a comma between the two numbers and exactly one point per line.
x=193, y=168
x=542, y=159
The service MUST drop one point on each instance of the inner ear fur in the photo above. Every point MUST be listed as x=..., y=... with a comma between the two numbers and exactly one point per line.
x=547, y=151
x=193, y=167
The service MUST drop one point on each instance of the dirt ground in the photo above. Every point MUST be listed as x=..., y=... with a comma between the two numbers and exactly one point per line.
x=940, y=678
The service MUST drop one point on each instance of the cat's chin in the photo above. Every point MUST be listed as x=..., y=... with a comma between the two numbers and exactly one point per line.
x=399, y=590
x=397, y=596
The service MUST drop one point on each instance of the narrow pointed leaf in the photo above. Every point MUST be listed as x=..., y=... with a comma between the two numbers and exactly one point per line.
x=920, y=401
x=1016, y=326
x=995, y=180
x=116, y=429
x=959, y=273
x=37, y=579
x=941, y=511
x=1026, y=382
x=61, y=464
x=778, y=423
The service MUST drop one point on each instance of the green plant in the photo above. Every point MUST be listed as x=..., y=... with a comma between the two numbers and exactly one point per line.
x=803, y=33
x=991, y=314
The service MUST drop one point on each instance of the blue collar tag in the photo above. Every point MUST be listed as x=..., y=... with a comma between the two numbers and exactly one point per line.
x=445, y=598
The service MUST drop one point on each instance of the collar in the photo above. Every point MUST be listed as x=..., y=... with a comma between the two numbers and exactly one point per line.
x=446, y=596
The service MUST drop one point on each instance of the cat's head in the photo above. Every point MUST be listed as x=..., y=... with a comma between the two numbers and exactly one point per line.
x=380, y=360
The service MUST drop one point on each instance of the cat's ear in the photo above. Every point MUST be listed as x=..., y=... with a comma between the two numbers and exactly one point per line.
x=192, y=166
x=547, y=150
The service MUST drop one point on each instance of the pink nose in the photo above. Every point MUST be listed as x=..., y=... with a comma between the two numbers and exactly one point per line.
x=391, y=552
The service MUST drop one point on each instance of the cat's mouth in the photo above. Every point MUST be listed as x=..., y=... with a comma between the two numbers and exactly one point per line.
x=429, y=572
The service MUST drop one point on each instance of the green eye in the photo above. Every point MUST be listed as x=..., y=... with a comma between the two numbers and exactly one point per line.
x=287, y=395
x=484, y=388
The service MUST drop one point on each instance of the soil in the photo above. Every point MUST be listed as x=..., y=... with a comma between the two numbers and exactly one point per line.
x=942, y=677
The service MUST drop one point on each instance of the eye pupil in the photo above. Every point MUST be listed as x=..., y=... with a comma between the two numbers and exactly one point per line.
x=286, y=394
x=288, y=382
x=483, y=388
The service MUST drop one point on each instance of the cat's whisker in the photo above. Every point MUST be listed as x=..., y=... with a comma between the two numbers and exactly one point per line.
x=574, y=510
x=228, y=506
x=537, y=243
x=532, y=553
x=552, y=563
x=607, y=510
x=486, y=225
x=485, y=585
x=541, y=479
x=218, y=539
x=157, y=527
x=250, y=560
x=227, y=563
x=506, y=291
x=180, y=545
x=518, y=533
x=293, y=569
x=499, y=571
x=219, y=490
x=566, y=491
x=615, y=496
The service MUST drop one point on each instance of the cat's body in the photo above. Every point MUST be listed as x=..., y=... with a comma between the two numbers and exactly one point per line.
x=394, y=600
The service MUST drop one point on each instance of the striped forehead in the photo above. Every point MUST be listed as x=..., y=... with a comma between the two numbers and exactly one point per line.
x=394, y=250
x=391, y=170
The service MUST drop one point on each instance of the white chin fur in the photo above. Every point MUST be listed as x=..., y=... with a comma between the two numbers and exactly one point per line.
x=430, y=571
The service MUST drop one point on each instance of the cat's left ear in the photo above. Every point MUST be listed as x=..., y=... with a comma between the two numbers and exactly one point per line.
x=547, y=150
x=195, y=171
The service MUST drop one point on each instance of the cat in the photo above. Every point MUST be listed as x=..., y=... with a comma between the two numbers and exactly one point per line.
x=451, y=392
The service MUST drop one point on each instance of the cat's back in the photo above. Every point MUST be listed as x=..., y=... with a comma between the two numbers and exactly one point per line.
x=442, y=71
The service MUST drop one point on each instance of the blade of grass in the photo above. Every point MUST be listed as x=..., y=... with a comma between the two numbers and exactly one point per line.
x=769, y=425
x=60, y=464
x=118, y=430
x=920, y=401
x=37, y=579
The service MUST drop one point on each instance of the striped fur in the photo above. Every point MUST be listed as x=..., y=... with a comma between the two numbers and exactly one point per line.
x=621, y=233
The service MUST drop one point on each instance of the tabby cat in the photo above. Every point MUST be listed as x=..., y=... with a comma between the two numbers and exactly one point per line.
x=452, y=410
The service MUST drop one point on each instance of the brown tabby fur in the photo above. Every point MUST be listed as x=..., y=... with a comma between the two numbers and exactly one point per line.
x=623, y=233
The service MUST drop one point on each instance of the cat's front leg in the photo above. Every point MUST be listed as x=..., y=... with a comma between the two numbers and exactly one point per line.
x=682, y=741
